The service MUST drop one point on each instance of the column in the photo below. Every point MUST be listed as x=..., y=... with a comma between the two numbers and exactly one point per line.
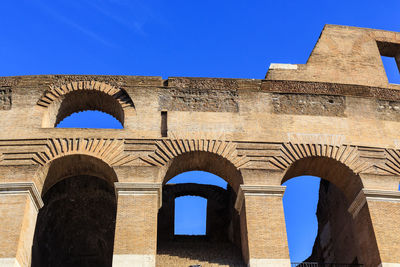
x=135, y=242
x=19, y=205
x=264, y=239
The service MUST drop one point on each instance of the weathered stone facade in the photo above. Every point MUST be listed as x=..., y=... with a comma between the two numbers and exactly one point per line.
x=335, y=117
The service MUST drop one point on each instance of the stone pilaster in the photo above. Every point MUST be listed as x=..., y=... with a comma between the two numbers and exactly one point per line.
x=376, y=215
x=19, y=205
x=135, y=242
x=264, y=238
x=384, y=208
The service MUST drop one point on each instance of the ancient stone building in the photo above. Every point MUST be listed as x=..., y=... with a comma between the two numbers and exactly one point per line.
x=96, y=197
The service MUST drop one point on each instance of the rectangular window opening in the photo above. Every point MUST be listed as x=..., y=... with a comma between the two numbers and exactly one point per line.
x=390, y=54
x=164, y=124
x=190, y=216
x=392, y=69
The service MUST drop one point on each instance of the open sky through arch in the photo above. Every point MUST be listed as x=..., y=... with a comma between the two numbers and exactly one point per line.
x=233, y=39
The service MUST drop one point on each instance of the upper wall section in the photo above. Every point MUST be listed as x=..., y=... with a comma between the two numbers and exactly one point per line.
x=341, y=96
x=346, y=55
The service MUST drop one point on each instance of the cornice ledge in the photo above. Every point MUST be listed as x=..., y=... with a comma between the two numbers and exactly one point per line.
x=139, y=189
x=257, y=190
x=23, y=188
x=374, y=195
x=382, y=195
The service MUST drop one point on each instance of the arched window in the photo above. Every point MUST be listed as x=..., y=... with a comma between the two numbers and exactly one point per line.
x=199, y=177
x=341, y=233
x=59, y=103
x=90, y=119
x=300, y=204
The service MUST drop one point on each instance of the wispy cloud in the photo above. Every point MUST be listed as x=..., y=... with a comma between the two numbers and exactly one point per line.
x=133, y=14
x=74, y=25
x=134, y=25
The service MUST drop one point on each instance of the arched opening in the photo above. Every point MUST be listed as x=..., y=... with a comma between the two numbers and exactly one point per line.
x=300, y=205
x=76, y=225
x=82, y=100
x=343, y=237
x=61, y=102
x=210, y=177
x=90, y=119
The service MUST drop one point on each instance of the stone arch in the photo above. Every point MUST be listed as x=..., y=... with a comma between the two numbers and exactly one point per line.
x=76, y=225
x=181, y=155
x=203, y=161
x=339, y=164
x=72, y=165
x=111, y=151
x=60, y=102
x=328, y=169
x=340, y=216
x=216, y=157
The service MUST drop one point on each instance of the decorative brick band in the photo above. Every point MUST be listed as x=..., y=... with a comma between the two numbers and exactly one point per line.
x=257, y=190
x=23, y=188
x=139, y=189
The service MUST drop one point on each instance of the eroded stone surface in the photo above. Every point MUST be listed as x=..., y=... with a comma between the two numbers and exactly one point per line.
x=5, y=98
x=305, y=104
x=194, y=99
x=247, y=131
x=389, y=110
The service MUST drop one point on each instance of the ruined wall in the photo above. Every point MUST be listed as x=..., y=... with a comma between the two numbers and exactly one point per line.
x=339, y=107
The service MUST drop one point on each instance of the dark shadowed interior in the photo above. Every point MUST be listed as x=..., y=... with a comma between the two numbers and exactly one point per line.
x=76, y=225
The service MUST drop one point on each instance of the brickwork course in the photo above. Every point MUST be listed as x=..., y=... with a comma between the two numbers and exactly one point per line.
x=98, y=197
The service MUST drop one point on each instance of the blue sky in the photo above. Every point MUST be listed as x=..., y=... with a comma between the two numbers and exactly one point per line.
x=172, y=38
x=237, y=39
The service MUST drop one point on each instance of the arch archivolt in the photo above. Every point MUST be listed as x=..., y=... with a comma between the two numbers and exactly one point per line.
x=61, y=101
x=168, y=149
x=346, y=154
x=111, y=151
x=56, y=92
x=72, y=165
x=359, y=159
